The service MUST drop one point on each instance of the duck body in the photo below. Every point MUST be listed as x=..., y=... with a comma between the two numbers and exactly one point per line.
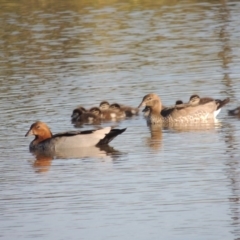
x=46, y=141
x=196, y=100
x=180, y=113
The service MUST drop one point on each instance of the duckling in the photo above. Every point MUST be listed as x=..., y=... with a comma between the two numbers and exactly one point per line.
x=104, y=105
x=81, y=117
x=107, y=114
x=234, y=112
x=129, y=111
x=45, y=141
x=119, y=113
x=77, y=112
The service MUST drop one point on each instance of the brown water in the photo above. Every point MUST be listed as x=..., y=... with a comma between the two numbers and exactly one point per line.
x=152, y=184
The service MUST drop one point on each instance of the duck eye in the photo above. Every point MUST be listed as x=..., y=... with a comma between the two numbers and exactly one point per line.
x=37, y=126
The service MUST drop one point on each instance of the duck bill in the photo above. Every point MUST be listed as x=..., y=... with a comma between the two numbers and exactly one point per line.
x=145, y=109
x=142, y=104
x=29, y=133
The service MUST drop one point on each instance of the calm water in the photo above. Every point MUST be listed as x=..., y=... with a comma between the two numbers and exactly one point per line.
x=151, y=184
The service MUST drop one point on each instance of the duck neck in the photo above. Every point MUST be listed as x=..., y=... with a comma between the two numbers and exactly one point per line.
x=42, y=137
x=156, y=108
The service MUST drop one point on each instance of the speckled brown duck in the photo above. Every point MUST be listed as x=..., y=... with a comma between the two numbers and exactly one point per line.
x=196, y=100
x=184, y=113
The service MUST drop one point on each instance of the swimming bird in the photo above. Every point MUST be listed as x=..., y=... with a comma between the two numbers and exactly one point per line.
x=45, y=140
x=234, y=112
x=77, y=112
x=104, y=105
x=184, y=113
x=129, y=111
x=80, y=117
x=115, y=107
x=196, y=100
x=107, y=115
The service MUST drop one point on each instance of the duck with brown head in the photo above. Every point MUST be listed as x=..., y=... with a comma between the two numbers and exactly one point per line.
x=44, y=139
x=185, y=113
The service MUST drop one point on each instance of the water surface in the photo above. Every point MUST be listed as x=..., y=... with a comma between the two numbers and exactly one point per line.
x=171, y=183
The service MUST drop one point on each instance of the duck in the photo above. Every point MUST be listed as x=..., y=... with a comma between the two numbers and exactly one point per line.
x=184, y=113
x=45, y=141
x=116, y=108
x=129, y=111
x=196, y=100
x=234, y=112
x=104, y=105
x=80, y=116
x=77, y=112
x=103, y=114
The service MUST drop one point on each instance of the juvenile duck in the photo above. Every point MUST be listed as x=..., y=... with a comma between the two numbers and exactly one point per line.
x=107, y=115
x=103, y=114
x=184, y=113
x=81, y=117
x=129, y=111
x=45, y=140
x=234, y=112
x=77, y=112
x=104, y=105
x=116, y=108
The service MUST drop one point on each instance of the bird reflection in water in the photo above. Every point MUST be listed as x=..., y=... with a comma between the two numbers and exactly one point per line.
x=155, y=141
x=43, y=160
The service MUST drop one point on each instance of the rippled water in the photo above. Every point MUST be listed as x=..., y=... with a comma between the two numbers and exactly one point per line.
x=171, y=183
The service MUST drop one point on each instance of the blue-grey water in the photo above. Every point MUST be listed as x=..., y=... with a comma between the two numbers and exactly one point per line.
x=174, y=183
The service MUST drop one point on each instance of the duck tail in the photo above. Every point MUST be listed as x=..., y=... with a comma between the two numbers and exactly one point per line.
x=221, y=103
x=110, y=136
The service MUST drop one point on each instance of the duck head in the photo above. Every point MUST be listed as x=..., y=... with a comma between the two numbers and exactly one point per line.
x=194, y=99
x=77, y=113
x=104, y=105
x=40, y=130
x=96, y=111
x=150, y=100
x=179, y=102
x=115, y=107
